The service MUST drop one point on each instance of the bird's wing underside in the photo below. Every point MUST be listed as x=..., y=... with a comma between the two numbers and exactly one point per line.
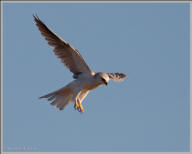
x=116, y=76
x=69, y=56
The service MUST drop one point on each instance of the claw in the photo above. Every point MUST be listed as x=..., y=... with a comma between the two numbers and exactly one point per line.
x=81, y=108
x=76, y=106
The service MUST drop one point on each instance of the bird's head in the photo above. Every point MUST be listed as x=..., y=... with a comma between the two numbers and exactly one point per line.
x=102, y=77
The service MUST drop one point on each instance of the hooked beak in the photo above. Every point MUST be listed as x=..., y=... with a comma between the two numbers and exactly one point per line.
x=106, y=83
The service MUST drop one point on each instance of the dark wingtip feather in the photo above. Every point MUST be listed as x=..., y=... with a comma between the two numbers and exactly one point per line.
x=117, y=76
x=122, y=75
x=35, y=16
x=42, y=97
x=37, y=20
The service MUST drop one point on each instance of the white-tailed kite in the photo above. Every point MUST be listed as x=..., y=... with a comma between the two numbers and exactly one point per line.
x=85, y=78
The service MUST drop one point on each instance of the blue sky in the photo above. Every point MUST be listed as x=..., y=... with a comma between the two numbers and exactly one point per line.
x=149, y=111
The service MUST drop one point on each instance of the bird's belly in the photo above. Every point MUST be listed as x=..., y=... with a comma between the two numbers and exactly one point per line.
x=92, y=86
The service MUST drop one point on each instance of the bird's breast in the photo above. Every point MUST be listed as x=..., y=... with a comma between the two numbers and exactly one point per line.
x=92, y=86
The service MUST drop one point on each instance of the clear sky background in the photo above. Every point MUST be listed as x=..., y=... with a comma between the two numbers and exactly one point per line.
x=149, y=111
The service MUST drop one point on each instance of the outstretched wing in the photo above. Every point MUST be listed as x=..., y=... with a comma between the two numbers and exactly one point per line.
x=116, y=76
x=69, y=56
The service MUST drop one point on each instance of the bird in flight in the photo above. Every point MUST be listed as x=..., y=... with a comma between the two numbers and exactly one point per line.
x=85, y=78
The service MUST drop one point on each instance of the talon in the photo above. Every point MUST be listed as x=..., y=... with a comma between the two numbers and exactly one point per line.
x=76, y=106
x=81, y=108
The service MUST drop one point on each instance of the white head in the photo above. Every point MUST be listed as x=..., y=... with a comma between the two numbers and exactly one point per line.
x=102, y=77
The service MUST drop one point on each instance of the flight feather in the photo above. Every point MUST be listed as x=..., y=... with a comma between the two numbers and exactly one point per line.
x=69, y=56
x=116, y=76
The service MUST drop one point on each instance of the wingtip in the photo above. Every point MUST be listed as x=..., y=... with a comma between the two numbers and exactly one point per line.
x=41, y=97
x=35, y=16
x=124, y=75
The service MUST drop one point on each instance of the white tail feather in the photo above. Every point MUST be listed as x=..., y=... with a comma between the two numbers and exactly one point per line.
x=60, y=98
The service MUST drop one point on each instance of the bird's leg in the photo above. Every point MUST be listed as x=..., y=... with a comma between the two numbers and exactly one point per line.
x=76, y=105
x=81, y=108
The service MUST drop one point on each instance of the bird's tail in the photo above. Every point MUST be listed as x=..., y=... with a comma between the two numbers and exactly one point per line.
x=60, y=98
